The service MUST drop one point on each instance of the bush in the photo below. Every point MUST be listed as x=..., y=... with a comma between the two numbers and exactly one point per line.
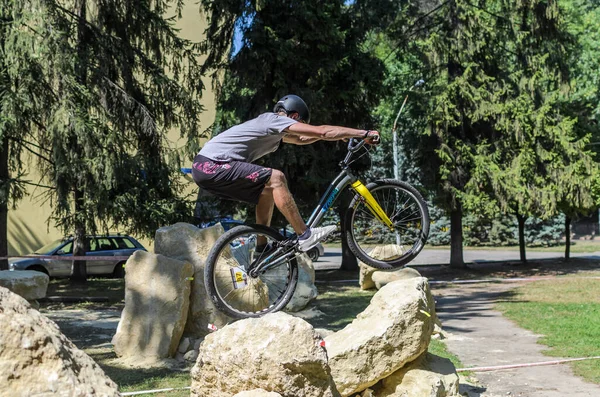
x=502, y=230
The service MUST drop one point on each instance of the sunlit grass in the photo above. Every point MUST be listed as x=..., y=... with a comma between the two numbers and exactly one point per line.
x=567, y=312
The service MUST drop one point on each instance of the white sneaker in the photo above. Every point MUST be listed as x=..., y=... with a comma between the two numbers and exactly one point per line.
x=316, y=234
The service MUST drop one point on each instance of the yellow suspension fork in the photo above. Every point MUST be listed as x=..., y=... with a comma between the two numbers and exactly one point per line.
x=372, y=204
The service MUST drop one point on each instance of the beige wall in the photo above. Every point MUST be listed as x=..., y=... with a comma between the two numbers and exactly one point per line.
x=28, y=227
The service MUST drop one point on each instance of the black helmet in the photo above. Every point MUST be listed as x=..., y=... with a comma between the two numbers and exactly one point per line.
x=293, y=103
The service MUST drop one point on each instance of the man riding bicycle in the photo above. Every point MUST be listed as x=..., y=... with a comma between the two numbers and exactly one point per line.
x=224, y=165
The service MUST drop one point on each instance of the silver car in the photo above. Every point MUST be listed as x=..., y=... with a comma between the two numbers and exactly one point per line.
x=105, y=246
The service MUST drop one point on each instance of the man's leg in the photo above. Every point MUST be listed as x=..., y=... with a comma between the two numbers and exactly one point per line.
x=277, y=193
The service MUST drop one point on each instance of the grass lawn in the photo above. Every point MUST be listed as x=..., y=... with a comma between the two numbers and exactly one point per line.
x=567, y=312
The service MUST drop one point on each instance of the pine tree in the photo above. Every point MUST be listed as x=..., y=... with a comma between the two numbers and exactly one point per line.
x=496, y=136
x=119, y=77
x=314, y=49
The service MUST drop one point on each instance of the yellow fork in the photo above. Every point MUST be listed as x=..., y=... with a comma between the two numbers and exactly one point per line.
x=372, y=204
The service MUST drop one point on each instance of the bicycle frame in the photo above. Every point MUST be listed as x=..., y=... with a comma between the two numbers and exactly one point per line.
x=341, y=182
x=344, y=179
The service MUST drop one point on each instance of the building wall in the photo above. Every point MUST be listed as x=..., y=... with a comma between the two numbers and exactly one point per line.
x=29, y=226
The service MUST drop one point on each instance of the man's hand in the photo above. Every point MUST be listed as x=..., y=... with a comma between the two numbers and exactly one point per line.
x=372, y=137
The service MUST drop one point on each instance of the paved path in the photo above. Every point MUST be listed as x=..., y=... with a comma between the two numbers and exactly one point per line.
x=333, y=257
x=481, y=336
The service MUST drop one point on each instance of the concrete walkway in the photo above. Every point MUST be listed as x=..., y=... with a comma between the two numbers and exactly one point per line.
x=481, y=336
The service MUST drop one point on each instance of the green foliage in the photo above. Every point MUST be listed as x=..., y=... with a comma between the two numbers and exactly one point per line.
x=498, y=230
x=318, y=50
x=110, y=82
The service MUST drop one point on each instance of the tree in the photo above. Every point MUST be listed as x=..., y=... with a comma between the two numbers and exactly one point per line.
x=24, y=96
x=314, y=49
x=119, y=77
x=495, y=136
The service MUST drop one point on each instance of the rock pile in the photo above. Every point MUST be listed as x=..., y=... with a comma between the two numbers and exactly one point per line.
x=175, y=274
x=382, y=353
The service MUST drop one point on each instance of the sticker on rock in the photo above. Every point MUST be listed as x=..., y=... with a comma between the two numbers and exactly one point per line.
x=239, y=277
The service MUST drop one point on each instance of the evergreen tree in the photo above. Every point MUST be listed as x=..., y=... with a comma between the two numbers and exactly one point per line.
x=24, y=96
x=317, y=50
x=120, y=77
x=496, y=136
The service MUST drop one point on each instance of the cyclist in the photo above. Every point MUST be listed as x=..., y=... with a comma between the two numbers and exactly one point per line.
x=224, y=166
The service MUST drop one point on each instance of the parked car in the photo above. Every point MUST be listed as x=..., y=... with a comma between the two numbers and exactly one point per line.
x=107, y=245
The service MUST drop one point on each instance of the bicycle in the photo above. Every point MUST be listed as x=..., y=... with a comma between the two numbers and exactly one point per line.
x=383, y=218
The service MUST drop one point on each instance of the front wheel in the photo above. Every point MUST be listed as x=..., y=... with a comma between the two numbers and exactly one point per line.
x=242, y=280
x=378, y=245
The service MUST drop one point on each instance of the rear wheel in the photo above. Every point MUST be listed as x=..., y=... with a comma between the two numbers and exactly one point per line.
x=232, y=284
x=119, y=271
x=375, y=243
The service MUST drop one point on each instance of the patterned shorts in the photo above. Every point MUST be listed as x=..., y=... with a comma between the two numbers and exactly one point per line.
x=233, y=180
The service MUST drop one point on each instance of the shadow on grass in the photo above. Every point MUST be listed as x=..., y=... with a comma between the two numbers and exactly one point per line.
x=512, y=269
x=339, y=304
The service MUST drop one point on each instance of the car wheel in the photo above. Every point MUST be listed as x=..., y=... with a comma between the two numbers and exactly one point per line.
x=119, y=271
x=38, y=268
x=313, y=254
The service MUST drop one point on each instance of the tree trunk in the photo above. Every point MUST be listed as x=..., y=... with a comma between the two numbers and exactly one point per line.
x=567, y=238
x=4, y=193
x=79, y=270
x=349, y=262
x=521, y=221
x=456, y=239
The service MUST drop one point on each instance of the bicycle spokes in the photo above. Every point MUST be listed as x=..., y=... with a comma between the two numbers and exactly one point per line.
x=250, y=278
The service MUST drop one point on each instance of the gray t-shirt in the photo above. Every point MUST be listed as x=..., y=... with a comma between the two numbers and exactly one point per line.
x=248, y=141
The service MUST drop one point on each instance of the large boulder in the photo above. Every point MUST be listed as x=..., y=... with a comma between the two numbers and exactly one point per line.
x=28, y=284
x=382, y=277
x=36, y=359
x=258, y=393
x=306, y=290
x=428, y=376
x=393, y=330
x=277, y=352
x=370, y=277
x=190, y=244
x=157, y=291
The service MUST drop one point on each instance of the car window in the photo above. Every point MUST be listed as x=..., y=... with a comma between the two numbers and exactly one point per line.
x=93, y=244
x=123, y=243
x=104, y=244
x=67, y=248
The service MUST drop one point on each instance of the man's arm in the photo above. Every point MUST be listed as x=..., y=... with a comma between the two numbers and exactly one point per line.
x=327, y=132
x=298, y=139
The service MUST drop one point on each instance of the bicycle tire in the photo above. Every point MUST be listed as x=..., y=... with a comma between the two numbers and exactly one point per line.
x=418, y=203
x=210, y=272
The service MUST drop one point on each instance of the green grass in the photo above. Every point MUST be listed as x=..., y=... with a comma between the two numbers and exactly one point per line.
x=567, y=313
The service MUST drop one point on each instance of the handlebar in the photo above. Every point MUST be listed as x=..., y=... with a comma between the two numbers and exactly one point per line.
x=354, y=144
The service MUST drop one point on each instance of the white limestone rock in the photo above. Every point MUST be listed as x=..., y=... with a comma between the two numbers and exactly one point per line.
x=28, y=284
x=36, y=359
x=157, y=299
x=393, y=330
x=277, y=352
x=190, y=244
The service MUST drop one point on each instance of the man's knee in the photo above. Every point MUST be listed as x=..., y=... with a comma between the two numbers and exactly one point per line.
x=277, y=179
